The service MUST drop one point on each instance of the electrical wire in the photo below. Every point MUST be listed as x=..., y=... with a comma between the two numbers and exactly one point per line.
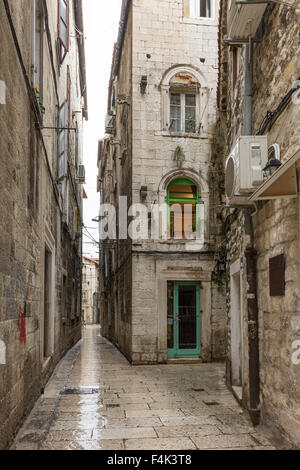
x=89, y=236
x=93, y=241
x=296, y=7
x=272, y=116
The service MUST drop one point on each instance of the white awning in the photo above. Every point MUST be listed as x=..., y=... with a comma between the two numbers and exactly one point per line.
x=282, y=184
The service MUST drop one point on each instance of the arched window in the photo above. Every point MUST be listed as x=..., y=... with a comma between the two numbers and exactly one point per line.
x=183, y=197
x=184, y=101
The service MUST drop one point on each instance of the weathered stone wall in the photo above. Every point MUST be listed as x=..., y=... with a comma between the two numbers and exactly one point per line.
x=30, y=220
x=115, y=169
x=276, y=223
x=90, y=287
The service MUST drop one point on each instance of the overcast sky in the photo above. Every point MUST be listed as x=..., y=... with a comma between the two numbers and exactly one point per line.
x=101, y=22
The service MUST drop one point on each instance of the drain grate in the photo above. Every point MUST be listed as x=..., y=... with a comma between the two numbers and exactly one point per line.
x=80, y=391
x=211, y=403
x=112, y=405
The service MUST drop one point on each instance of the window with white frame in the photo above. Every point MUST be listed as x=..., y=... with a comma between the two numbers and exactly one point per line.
x=182, y=112
x=63, y=28
x=184, y=102
x=37, y=47
x=63, y=117
x=62, y=157
x=201, y=8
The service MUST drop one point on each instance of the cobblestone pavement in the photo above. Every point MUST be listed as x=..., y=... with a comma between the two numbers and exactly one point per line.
x=108, y=404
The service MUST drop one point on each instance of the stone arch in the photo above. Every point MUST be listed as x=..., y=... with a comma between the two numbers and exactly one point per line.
x=198, y=179
x=182, y=173
x=187, y=79
x=182, y=68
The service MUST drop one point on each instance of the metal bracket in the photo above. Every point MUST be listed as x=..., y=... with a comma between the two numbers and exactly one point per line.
x=60, y=128
x=239, y=42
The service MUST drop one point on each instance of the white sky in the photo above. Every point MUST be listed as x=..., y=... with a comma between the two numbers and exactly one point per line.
x=101, y=23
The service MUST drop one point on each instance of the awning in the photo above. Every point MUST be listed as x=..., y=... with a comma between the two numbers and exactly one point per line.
x=282, y=184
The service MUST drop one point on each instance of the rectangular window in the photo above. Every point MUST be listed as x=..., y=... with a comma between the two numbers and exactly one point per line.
x=190, y=113
x=69, y=94
x=66, y=198
x=234, y=66
x=175, y=113
x=63, y=28
x=37, y=47
x=64, y=296
x=62, y=141
x=182, y=112
x=201, y=8
x=62, y=160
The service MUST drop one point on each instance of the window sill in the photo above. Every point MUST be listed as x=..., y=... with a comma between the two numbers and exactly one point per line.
x=200, y=21
x=185, y=135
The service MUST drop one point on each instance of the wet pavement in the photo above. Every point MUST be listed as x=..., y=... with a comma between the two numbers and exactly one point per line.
x=96, y=400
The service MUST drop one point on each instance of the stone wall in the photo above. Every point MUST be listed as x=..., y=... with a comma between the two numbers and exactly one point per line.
x=30, y=219
x=275, y=223
x=90, y=289
x=115, y=171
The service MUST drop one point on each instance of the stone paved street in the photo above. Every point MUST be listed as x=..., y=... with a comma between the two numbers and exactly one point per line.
x=110, y=405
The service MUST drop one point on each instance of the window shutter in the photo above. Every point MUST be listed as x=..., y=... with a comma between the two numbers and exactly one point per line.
x=277, y=276
x=63, y=28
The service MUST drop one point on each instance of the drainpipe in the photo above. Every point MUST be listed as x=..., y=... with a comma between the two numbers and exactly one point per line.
x=250, y=255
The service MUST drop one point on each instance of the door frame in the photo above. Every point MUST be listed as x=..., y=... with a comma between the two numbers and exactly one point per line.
x=175, y=352
x=236, y=323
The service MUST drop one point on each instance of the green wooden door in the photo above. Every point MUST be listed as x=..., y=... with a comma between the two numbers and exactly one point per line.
x=184, y=321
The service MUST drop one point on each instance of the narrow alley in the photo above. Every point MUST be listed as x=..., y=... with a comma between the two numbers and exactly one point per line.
x=96, y=400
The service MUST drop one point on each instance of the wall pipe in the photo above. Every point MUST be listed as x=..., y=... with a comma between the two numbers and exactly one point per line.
x=251, y=256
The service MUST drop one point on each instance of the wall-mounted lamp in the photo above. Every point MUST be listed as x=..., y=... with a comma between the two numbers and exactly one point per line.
x=144, y=83
x=270, y=168
x=273, y=161
x=144, y=192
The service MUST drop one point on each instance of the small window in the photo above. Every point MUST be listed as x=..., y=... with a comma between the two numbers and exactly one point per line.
x=37, y=48
x=69, y=94
x=63, y=28
x=201, y=8
x=183, y=199
x=63, y=117
x=182, y=112
x=234, y=52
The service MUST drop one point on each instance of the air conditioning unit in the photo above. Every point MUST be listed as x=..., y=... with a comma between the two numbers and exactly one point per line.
x=81, y=174
x=243, y=18
x=110, y=124
x=244, y=168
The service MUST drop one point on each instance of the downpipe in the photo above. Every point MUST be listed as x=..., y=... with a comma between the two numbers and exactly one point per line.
x=253, y=338
x=251, y=258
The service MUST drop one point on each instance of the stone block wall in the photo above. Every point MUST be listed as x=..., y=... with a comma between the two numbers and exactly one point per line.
x=30, y=220
x=275, y=223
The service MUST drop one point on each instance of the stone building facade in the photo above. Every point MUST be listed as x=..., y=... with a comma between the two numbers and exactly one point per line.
x=258, y=97
x=43, y=101
x=162, y=298
x=90, y=291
